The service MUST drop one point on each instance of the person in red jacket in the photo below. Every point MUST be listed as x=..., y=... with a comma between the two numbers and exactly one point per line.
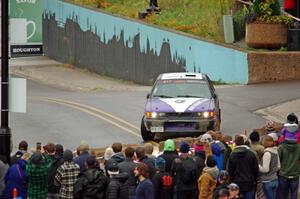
x=290, y=6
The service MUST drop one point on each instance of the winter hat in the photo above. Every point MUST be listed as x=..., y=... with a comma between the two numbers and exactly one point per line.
x=292, y=118
x=274, y=136
x=169, y=145
x=160, y=164
x=113, y=168
x=233, y=186
x=210, y=162
x=184, y=147
x=83, y=146
x=68, y=155
x=59, y=149
x=23, y=145
x=206, y=138
x=108, y=153
x=37, y=158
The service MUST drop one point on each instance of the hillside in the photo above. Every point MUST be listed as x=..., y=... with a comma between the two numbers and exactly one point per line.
x=201, y=18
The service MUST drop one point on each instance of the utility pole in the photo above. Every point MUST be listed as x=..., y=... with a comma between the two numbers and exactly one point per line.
x=5, y=134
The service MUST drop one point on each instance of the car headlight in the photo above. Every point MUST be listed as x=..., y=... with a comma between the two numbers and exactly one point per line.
x=209, y=114
x=151, y=114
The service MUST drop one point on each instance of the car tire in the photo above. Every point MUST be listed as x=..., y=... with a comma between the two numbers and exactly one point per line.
x=146, y=135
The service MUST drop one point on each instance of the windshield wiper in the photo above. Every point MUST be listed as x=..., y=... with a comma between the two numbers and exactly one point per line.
x=163, y=96
x=189, y=96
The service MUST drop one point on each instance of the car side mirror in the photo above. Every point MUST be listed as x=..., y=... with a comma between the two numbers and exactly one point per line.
x=148, y=96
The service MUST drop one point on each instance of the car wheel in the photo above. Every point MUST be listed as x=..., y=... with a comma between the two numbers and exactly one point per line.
x=146, y=135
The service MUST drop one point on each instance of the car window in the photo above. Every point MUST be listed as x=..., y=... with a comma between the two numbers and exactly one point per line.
x=181, y=88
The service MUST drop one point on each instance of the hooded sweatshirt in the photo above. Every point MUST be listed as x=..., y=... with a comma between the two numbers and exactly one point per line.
x=289, y=156
x=290, y=131
x=270, y=164
x=243, y=168
x=169, y=154
x=207, y=182
x=118, y=188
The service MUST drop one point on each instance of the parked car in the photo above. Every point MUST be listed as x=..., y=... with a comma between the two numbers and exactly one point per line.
x=181, y=104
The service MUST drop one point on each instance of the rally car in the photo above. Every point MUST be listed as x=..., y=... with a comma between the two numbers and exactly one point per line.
x=181, y=104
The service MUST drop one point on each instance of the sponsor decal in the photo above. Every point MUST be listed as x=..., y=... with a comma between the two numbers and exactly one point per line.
x=18, y=50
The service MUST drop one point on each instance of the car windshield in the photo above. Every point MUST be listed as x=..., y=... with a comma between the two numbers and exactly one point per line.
x=181, y=88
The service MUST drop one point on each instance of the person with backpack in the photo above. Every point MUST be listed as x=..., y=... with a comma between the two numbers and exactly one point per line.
x=208, y=180
x=162, y=181
x=169, y=154
x=185, y=171
x=118, y=186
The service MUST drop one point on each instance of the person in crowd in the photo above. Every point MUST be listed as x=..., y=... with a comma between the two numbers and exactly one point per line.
x=234, y=191
x=92, y=184
x=38, y=168
x=149, y=151
x=66, y=176
x=169, y=154
x=208, y=180
x=290, y=130
x=223, y=194
x=57, y=160
x=199, y=145
x=144, y=189
x=289, y=156
x=217, y=154
x=255, y=145
x=140, y=155
x=269, y=168
x=107, y=155
x=117, y=156
x=243, y=168
x=117, y=187
x=185, y=171
x=128, y=166
x=59, y=150
x=3, y=169
x=222, y=183
x=23, y=147
x=162, y=181
x=16, y=177
x=83, y=150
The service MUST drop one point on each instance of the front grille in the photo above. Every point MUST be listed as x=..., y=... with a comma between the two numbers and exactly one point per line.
x=181, y=114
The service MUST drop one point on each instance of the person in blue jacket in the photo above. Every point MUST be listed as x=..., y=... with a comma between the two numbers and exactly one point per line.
x=16, y=177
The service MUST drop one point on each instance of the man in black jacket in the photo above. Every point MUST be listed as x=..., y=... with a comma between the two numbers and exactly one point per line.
x=117, y=157
x=92, y=183
x=128, y=167
x=118, y=187
x=243, y=168
x=140, y=154
x=57, y=160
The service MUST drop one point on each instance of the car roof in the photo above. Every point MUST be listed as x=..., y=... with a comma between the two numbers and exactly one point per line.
x=198, y=76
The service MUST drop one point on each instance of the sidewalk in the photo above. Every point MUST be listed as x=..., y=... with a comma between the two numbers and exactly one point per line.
x=51, y=72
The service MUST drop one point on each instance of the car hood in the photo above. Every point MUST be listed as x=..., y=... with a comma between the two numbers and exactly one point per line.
x=179, y=105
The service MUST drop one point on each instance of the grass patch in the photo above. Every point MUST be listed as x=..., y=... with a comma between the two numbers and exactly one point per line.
x=201, y=18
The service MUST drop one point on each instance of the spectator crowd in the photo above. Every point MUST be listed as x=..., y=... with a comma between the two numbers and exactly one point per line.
x=215, y=166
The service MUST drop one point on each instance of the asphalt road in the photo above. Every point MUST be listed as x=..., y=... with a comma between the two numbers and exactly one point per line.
x=102, y=117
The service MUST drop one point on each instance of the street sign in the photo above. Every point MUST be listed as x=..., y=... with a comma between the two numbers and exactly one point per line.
x=17, y=95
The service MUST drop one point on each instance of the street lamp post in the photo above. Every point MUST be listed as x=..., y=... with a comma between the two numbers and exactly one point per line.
x=5, y=135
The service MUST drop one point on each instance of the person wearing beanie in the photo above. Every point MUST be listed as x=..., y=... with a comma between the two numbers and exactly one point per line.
x=66, y=176
x=92, y=183
x=117, y=156
x=83, y=150
x=162, y=181
x=243, y=168
x=118, y=185
x=23, y=147
x=208, y=180
x=290, y=131
x=288, y=178
x=169, y=154
x=185, y=171
x=38, y=168
x=255, y=145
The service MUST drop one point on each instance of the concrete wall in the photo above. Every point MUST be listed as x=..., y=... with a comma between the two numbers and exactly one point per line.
x=273, y=66
x=130, y=49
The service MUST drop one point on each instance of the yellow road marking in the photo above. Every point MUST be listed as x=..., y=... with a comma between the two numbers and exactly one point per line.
x=93, y=114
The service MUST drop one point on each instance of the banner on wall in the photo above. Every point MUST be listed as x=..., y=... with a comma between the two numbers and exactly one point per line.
x=25, y=27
